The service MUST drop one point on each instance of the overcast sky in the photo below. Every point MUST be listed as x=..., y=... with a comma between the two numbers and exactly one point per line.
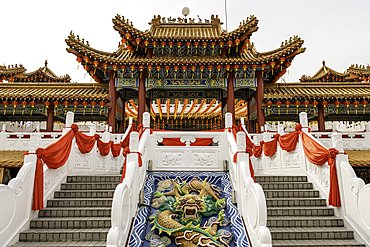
x=335, y=30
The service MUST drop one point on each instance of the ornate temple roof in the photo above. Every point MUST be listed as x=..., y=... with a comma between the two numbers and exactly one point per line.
x=357, y=71
x=11, y=70
x=194, y=48
x=43, y=74
x=325, y=74
x=327, y=91
x=55, y=91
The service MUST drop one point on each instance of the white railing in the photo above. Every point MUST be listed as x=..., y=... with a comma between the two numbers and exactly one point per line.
x=57, y=126
x=126, y=196
x=354, y=194
x=16, y=198
x=250, y=196
x=346, y=126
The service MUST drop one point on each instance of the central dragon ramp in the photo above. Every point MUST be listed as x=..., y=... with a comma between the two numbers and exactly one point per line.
x=188, y=209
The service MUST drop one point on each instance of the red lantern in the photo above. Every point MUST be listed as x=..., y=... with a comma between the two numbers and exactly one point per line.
x=278, y=103
x=204, y=44
x=229, y=43
x=287, y=64
x=93, y=104
x=356, y=103
x=237, y=42
x=163, y=44
x=281, y=60
x=86, y=59
x=170, y=44
x=297, y=103
x=287, y=103
x=24, y=103
x=337, y=103
x=123, y=67
x=269, y=103
x=124, y=41
x=347, y=103
x=178, y=44
x=65, y=103
x=176, y=68
x=96, y=63
x=47, y=104
x=306, y=102
x=314, y=103
x=84, y=103
x=32, y=103
x=236, y=67
x=154, y=43
x=15, y=103
x=188, y=44
x=127, y=35
x=75, y=103
x=141, y=68
x=167, y=68
x=324, y=103
x=146, y=42
x=364, y=103
x=56, y=103
x=105, y=65
x=132, y=67
x=184, y=68
x=114, y=67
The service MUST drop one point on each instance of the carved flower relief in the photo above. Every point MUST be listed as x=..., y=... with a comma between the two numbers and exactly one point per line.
x=291, y=159
x=172, y=159
x=82, y=160
x=272, y=161
x=203, y=160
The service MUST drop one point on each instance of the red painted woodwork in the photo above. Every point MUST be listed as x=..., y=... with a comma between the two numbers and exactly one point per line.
x=50, y=119
x=121, y=123
x=113, y=99
x=320, y=118
x=223, y=104
x=230, y=95
x=141, y=100
x=259, y=98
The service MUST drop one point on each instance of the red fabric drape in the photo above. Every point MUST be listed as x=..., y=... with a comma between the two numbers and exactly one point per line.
x=84, y=142
x=125, y=151
x=116, y=149
x=177, y=142
x=250, y=152
x=103, y=147
x=318, y=155
x=54, y=156
x=257, y=150
x=269, y=148
x=288, y=142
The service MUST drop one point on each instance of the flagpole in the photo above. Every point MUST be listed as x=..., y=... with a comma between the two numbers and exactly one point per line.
x=226, y=15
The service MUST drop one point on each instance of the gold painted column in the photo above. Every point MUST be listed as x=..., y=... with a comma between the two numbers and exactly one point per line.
x=259, y=98
x=113, y=99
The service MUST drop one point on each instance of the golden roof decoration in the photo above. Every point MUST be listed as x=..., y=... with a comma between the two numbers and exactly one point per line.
x=359, y=70
x=182, y=29
x=11, y=70
x=325, y=74
x=11, y=158
x=45, y=73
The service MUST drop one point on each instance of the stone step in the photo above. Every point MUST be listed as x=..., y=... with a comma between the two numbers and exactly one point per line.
x=275, y=179
x=67, y=243
x=304, y=221
x=311, y=233
x=94, y=179
x=291, y=193
x=295, y=202
x=75, y=212
x=70, y=223
x=316, y=243
x=84, y=194
x=286, y=186
x=55, y=235
x=300, y=211
x=89, y=186
x=78, y=202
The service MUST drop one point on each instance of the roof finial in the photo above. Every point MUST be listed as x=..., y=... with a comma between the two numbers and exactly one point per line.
x=46, y=63
x=323, y=63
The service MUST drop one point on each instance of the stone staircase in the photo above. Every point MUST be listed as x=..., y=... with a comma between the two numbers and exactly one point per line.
x=297, y=216
x=78, y=215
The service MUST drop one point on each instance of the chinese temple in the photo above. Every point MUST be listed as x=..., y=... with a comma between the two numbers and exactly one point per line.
x=42, y=96
x=186, y=72
x=327, y=96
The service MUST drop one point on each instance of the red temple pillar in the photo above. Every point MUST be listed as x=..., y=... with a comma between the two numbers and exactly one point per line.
x=320, y=118
x=121, y=124
x=141, y=99
x=230, y=95
x=50, y=119
x=259, y=98
x=113, y=99
x=223, y=104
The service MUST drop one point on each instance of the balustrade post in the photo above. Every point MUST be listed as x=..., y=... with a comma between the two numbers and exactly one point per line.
x=134, y=147
x=92, y=129
x=3, y=144
x=106, y=136
x=228, y=120
x=337, y=143
x=303, y=121
x=266, y=136
x=281, y=129
x=146, y=120
x=367, y=135
x=130, y=121
x=69, y=121
x=255, y=140
x=242, y=121
x=240, y=142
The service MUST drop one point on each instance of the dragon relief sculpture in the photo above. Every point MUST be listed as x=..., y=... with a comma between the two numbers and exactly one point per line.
x=181, y=210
